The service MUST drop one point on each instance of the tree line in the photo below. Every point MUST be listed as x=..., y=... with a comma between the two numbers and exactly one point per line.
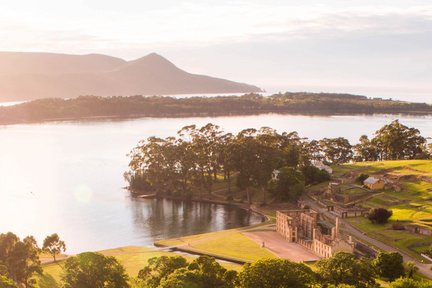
x=197, y=158
x=159, y=106
x=20, y=263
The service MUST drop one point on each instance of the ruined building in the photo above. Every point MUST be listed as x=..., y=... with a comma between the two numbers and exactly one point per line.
x=307, y=228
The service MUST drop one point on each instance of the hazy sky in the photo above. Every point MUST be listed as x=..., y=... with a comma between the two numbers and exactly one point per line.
x=378, y=47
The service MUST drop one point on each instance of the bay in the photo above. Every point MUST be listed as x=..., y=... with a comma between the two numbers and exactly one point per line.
x=67, y=177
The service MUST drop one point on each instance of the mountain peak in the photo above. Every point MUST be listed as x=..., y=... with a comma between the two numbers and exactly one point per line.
x=153, y=58
x=37, y=75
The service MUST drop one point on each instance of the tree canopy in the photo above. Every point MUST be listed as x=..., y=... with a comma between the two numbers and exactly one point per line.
x=191, y=162
x=19, y=259
x=53, y=245
x=389, y=265
x=175, y=271
x=279, y=273
x=345, y=268
x=93, y=270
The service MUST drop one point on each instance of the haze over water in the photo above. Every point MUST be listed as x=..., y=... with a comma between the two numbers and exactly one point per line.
x=68, y=177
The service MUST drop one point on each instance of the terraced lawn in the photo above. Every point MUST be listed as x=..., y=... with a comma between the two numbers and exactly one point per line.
x=411, y=204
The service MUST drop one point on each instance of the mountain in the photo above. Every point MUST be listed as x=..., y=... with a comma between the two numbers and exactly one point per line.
x=28, y=76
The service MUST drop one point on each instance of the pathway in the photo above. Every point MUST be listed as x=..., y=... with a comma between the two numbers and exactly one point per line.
x=276, y=244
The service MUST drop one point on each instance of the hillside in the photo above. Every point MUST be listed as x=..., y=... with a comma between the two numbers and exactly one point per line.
x=29, y=76
x=408, y=193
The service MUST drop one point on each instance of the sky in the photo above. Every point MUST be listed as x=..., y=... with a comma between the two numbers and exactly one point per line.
x=375, y=48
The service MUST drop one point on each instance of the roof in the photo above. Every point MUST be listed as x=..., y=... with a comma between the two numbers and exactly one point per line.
x=372, y=180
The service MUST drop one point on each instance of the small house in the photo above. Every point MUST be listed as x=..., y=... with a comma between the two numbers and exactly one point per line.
x=374, y=183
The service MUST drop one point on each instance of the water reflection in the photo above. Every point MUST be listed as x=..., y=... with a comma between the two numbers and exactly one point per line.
x=160, y=219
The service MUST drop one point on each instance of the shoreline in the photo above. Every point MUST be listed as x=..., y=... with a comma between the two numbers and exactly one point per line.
x=205, y=115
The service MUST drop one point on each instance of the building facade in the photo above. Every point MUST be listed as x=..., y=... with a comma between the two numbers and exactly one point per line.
x=307, y=228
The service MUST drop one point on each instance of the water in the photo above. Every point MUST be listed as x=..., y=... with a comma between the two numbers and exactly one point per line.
x=67, y=177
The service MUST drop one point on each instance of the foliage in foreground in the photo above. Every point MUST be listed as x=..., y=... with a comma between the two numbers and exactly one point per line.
x=175, y=272
x=343, y=270
x=410, y=283
x=19, y=259
x=93, y=270
x=276, y=273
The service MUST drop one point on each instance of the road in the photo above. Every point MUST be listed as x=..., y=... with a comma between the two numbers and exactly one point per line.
x=347, y=228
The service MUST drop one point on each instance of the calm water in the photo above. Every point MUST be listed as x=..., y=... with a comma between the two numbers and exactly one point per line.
x=67, y=177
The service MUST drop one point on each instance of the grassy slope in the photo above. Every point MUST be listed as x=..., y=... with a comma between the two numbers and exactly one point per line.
x=411, y=204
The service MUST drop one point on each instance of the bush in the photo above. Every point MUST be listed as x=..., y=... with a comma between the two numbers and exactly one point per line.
x=389, y=265
x=379, y=215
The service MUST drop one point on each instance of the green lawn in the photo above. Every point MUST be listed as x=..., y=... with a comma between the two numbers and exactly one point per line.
x=403, y=167
x=228, y=243
x=402, y=240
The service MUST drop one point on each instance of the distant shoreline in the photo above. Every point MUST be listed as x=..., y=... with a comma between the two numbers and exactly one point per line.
x=91, y=108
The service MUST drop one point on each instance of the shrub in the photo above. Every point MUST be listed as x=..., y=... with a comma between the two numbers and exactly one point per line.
x=361, y=178
x=379, y=215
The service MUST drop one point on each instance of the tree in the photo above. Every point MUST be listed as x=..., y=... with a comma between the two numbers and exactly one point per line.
x=344, y=268
x=336, y=150
x=410, y=283
x=53, y=245
x=279, y=273
x=93, y=270
x=379, y=215
x=314, y=175
x=396, y=141
x=212, y=274
x=159, y=268
x=389, y=265
x=410, y=269
x=365, y=150
x=172, y=272
x=19, y=259
x=289, y=184
x=182, y=278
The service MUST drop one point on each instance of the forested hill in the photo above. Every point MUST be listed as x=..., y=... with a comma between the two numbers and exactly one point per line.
x=85, y=107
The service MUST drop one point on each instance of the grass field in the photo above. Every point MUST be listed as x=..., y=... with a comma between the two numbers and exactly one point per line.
x=228, y=243
x=411, y=203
